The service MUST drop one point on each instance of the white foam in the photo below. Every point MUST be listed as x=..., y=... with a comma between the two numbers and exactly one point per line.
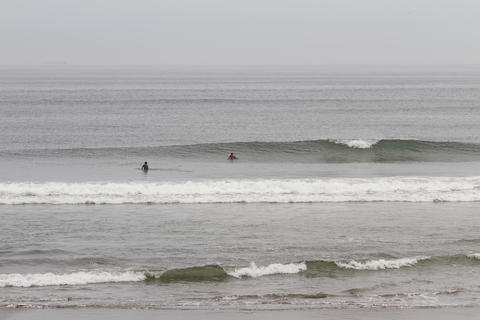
x=357, y=143
x=276, y=268
x=474, y=256
x=75, y=278
x=381, y=264
x=405, y=189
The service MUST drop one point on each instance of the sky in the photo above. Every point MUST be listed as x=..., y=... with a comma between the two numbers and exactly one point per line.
x=240, y=32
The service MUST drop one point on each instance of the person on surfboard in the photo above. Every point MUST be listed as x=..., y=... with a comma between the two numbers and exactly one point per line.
x=231, y=156
x=145, y=167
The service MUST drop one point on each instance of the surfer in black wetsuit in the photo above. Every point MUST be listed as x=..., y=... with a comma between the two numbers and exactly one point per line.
x=231, y=156
x=145, y=167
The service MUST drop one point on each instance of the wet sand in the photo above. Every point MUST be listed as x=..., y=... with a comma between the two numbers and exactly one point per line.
x=120, y=314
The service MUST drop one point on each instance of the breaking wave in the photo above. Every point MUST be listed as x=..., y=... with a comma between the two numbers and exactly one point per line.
x=474, y=256
x=211, y=273
x=316, y=151
x=277, y=268
x=386, y=189
x=190, y=274
x=381, y=264
x=75, y=278
x=357, y=143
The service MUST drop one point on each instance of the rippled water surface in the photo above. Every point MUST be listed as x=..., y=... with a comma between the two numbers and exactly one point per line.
x=351, y=189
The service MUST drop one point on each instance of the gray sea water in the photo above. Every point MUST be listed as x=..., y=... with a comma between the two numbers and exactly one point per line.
x=353, y=188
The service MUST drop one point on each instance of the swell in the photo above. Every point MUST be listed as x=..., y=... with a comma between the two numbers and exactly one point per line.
x=216, y=273
x=385, y=189
x=316, y=151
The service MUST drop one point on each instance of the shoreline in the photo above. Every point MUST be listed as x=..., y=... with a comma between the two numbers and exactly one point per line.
x=121, y=314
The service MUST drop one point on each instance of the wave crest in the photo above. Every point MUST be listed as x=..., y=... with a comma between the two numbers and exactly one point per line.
x=357, y=143
x=381, y=264
x=276, y=268
x=474, y=256
x=206, y=273
x=315, y=151
x=76, y=278
x=192, y=274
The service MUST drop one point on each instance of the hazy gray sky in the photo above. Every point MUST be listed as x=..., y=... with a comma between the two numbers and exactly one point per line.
x=218, y=32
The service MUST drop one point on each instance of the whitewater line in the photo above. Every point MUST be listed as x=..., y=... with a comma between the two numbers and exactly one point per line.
x=385, y=189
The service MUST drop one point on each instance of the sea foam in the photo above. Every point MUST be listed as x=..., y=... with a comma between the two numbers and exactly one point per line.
x=357, y=143
x=276, y=268
x=474, y=256
x=75, y=278
x=387, y=189
x=381, y=264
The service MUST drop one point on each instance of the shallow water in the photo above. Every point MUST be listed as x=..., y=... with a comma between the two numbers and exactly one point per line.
x=328, y=255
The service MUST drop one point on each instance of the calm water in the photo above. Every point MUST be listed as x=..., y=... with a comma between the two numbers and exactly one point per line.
x=353, y=188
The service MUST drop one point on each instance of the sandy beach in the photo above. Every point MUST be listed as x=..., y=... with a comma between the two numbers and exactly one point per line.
x=350, y=314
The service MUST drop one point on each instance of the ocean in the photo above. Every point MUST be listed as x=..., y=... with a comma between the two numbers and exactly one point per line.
x=354, y=188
